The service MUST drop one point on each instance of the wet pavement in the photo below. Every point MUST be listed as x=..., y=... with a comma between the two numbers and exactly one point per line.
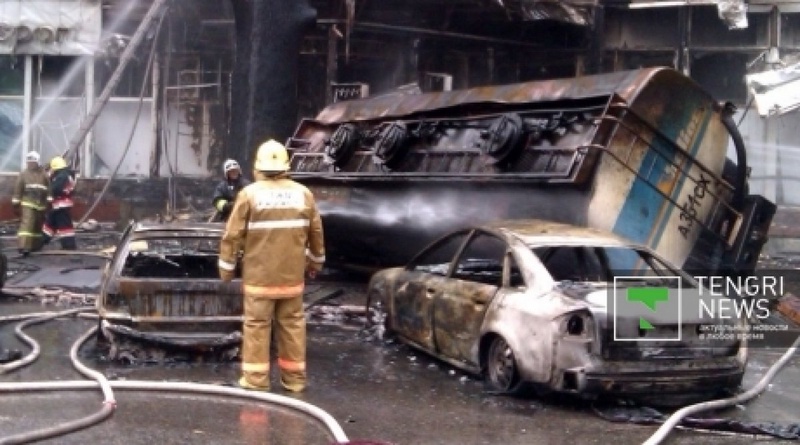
x=376, y=389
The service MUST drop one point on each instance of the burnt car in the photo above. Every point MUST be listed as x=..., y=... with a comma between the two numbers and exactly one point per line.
x=162, y=288
x=526, y=303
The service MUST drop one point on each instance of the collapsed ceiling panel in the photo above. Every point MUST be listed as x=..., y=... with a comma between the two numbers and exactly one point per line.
x=577, y=12
x=776, y=91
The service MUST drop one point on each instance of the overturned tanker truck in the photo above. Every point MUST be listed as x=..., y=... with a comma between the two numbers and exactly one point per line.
x=642, y=154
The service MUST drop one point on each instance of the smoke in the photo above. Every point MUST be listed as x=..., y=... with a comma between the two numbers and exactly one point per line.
x=388, y=224
x=423, y=211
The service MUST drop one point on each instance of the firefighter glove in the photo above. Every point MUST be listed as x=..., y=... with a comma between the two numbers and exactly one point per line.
x=221, y=205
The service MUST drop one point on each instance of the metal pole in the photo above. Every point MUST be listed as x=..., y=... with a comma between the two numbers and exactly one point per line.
x=331, y=65
x=88, y=152
x=27, y=101
x=127, y=55
x=155, y=110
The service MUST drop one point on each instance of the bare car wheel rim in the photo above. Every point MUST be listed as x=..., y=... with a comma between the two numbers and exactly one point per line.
x=502, y=366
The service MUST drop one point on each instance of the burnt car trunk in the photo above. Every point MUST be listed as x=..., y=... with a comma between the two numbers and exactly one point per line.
x=179, y=305
x=163, y=284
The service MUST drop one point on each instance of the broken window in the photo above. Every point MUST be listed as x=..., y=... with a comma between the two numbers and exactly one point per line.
x=598, y=264
x=572, y=263
x=184, y=258
x=482, y=260
x=437, y=259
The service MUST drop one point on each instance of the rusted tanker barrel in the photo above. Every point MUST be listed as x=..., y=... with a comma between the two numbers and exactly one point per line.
x=264, y=102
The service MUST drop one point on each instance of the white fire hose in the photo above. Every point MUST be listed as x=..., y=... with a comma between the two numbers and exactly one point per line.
x=109, y=404
x=679, y=415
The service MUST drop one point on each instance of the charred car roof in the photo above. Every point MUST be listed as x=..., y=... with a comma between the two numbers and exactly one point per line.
x=536, y=231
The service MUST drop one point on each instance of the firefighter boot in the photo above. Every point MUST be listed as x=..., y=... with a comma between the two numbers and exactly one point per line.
x=293, y=382
x=244, y=384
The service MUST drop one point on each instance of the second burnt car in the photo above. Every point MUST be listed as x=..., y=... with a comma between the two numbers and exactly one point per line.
x=162, y=289
x=528, y=302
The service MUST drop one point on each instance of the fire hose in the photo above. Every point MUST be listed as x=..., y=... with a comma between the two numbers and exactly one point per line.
x=676, y=418
x=34, y=353
x=109, y=404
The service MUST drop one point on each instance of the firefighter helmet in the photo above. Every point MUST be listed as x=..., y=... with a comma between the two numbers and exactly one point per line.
x=272, y=157
x=229, y=165
x=57, y=163
x=32, y=156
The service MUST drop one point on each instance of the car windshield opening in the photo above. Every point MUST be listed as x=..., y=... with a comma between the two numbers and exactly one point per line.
x=194, y=258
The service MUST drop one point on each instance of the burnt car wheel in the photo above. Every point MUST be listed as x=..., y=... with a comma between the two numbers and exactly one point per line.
x=501, y=367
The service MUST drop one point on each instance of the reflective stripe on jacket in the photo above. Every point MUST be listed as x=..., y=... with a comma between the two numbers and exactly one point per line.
x=32, y=189
x=276, y=224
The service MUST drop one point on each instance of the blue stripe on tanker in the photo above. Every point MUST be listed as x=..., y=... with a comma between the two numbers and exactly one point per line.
x=637, y=219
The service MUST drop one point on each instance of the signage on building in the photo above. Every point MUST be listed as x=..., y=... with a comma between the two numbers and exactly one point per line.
x=348, y=91
x=50, y=27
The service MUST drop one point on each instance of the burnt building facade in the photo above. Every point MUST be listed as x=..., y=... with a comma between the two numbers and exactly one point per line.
x=208, y=79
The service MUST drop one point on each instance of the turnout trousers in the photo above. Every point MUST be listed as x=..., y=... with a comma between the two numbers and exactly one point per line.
x=29, y=234
x=288, y=318
x=58, y=225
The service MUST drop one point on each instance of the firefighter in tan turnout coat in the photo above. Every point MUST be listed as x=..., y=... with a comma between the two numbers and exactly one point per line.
x=275, y=224
x=31, y=199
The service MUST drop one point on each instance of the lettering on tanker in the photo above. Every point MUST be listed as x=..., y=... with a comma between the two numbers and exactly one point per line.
x=690, y=207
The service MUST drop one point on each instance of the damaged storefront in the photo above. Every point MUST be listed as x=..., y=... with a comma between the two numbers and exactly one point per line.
x=197, y=88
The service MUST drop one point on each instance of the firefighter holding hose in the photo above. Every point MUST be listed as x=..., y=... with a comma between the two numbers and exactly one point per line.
x=59, y=221
x=277, y=227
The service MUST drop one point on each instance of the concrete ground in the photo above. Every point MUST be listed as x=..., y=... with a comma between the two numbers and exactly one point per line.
x=375, y=389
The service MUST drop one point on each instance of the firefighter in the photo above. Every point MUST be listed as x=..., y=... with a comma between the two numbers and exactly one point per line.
x=59, y=221
x=30, y=201
x=276, y=226
x=228, y=188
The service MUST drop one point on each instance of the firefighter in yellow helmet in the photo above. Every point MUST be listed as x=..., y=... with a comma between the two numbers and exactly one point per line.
x=30, y=201
x=58, y=224
x=275, y=224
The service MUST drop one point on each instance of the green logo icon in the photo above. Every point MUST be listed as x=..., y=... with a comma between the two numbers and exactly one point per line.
x=650, y=297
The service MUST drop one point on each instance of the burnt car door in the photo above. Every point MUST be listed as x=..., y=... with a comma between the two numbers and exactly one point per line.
x=459, y=310
x=107, y=282
x=423, y=280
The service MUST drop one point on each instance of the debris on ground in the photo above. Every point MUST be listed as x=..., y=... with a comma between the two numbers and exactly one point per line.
x=642, y=415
